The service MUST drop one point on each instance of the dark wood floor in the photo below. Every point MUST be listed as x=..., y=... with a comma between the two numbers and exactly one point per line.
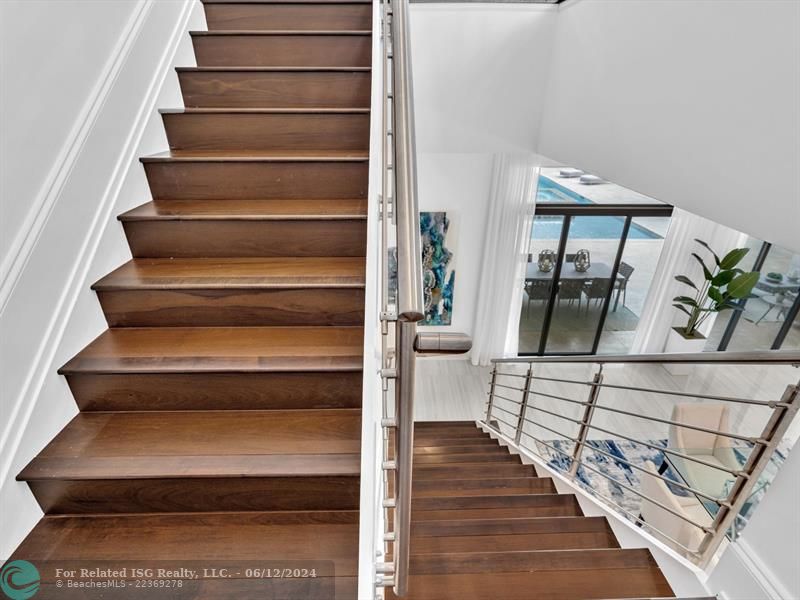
x=220, y=413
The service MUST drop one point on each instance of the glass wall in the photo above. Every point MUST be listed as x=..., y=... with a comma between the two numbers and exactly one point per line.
x=769, y=317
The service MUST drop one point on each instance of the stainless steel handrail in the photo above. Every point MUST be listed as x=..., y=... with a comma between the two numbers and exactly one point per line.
x=399, y=190
x=410, y=304
x=741, y=358
x=761, y=446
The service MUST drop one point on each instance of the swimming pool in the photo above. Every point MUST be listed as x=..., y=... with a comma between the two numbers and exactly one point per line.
x=596, y=228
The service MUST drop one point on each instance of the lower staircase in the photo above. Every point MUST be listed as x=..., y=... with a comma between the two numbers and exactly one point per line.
x=220, y=413
x=484, y=526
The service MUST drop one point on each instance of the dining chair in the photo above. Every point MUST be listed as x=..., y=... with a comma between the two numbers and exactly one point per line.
x=657, y=498
x=621, y=285
x=596, y=290
x=712, y=448
x=536, y=289
x=571, y=290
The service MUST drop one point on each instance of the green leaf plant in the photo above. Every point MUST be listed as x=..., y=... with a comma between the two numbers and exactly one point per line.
x=723, y=285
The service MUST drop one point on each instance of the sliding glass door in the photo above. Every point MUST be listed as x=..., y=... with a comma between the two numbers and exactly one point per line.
x=587, y=268
x=579, y=290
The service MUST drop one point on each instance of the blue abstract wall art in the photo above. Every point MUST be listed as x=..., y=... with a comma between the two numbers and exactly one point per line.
x=437, y=273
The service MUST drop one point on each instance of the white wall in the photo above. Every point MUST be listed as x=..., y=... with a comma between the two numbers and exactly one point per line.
x=459, y=184
x=479, y=80
x=479, y=74
x=764, y=563
x=76, y=168
x=41, y=99
x=694, y=103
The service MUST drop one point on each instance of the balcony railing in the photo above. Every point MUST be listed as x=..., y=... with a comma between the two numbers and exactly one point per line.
x=708, y=472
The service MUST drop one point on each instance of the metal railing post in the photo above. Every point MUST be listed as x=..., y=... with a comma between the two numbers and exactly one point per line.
x=404, y=411
x=771, y=436
x=523, y=407
x=583, y=432
x=491, y=397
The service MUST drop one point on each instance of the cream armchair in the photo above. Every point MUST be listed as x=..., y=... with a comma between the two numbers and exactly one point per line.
x=710, y=447
x=671, y=525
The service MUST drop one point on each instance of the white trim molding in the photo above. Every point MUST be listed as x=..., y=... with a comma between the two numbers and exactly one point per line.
x=14, y=262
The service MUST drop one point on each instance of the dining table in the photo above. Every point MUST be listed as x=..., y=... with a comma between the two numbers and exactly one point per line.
x=597, y=270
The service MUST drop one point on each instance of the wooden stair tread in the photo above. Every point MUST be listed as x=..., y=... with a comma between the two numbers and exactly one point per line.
x=315, y=535
x=267, y=32
x=184, y=444
x=247, y=210
x=272, y=69
x=531, y=561
x=265, y=111
x=483, y=487
x=287, y=1
x=588, y=584
x=221, y=349
x=493, y=527
x=228, y=273
x=256, y=156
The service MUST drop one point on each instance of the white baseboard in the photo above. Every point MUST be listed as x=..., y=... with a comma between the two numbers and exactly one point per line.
x=42, y=236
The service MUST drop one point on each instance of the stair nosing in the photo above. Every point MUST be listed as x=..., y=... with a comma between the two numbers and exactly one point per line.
x=188, y=158
x=280, y=32
x=274, y=69
x=243, y=110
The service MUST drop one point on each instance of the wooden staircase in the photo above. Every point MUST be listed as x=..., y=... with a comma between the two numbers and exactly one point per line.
x=220, y=414
x=485, y=527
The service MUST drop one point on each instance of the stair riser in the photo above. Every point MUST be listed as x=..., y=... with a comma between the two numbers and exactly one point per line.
x=446, y=443
x=284, y=180
x=319, y=17
x=275, y=89
x=216, y=391
x=473, y=472
x=597, y=584
x=446, y=459
x=237, y=239
x=447, y=431
x=196, y=495
x=476, y=449
x=232, y=307
x=477, y=487
x=282, y=50
x=495, y=513
x=511, y=543
x=242, y=132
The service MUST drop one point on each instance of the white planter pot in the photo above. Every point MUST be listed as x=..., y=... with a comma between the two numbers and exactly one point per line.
x=677, y=343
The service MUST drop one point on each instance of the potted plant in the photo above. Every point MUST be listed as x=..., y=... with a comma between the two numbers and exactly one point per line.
x=723, y=285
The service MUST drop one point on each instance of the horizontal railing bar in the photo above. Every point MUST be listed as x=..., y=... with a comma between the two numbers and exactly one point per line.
x=643, y=522
x=553, y=396
x=499, y=374
x=508, y=387
x=760, y=357
x=668, y=451
x=768, y=403
x=614, y=504
x=715, y=500
x=733, y=436
x=505, y=423
x=508, y=412
x=504, y=398
x=619, y=483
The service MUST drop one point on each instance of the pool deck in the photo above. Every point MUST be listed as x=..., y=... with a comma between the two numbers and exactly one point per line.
x=609, y=193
